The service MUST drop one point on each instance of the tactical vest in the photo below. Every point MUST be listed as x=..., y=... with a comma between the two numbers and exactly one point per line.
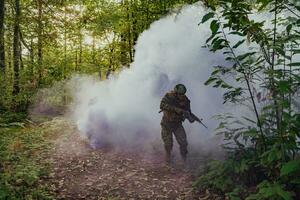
x=178, y=101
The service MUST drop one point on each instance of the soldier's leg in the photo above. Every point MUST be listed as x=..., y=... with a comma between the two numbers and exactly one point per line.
x=167, y=138
x=182, y=141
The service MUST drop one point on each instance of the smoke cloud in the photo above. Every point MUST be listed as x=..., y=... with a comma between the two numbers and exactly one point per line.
x=123, y=111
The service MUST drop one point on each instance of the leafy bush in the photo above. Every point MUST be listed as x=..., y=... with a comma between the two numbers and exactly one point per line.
x=263, y=151
x=10, y=117
x=20, y=169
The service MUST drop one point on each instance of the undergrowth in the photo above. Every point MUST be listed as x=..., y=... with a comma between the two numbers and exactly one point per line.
x=22, y=166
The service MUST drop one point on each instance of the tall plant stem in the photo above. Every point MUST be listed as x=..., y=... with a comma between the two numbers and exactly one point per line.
x=273, y=90
x=248, y=86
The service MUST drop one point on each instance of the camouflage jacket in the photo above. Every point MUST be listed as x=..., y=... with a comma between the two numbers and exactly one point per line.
x=172, y=106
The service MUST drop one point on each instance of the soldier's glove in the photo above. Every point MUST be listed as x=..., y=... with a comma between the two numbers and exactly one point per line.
x=189, y=116
x=186, y=114
x=191, y=120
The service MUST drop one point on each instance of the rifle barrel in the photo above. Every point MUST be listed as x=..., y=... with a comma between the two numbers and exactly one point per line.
x=203, y=124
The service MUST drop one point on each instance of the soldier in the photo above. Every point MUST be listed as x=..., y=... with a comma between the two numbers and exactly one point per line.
x=175, y=106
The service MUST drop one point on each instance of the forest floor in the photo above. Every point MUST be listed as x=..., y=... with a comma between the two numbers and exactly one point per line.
x=77, y=171
x=81, y=172
x=84, y=173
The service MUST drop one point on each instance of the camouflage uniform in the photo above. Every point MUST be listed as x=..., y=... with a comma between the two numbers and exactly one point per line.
x=173, y=106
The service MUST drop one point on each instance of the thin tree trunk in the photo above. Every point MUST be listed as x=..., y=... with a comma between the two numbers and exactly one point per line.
x=129, y=33
x=93, y=51
x=2, y=45
x=134, y=28
x=16, y=48
x=123, y=58
x=79, y=57
x=273, y=87
x=123, y=47
x=80, y=50
x=31, y=55
x=21, y=60
x=110, y=67
x=65, y=42
x=9, y=53
x=76, y=60
x=147, y=15
x=40, y=40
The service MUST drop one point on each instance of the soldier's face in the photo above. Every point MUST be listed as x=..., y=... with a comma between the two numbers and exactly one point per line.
x=180, y=93
x=181, y=90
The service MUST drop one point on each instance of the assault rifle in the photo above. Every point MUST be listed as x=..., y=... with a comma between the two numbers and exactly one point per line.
x=192, y=117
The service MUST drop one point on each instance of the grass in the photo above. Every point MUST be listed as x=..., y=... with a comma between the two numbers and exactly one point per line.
x=23, y=152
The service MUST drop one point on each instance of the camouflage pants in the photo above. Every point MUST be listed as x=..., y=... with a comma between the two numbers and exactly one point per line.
x=167, y=131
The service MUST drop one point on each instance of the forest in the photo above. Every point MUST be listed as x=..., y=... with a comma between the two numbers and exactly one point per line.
x=49, y=47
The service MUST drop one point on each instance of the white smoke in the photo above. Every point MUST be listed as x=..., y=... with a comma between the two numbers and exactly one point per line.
x=123, y=110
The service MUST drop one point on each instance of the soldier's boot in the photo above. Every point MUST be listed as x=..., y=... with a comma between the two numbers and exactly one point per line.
x=183, y=153
x=168, y=158
x=184, y=163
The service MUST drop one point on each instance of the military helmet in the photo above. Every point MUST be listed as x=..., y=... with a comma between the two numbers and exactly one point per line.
x=180, y=89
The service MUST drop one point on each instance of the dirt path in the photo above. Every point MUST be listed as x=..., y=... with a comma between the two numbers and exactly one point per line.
x=80, y=172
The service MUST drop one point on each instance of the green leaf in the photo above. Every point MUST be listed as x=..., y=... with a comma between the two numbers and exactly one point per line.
x=295, y=64
x=214, y=26
x=282, y=193
x=282, y=52
x=207, y=17
x=238, y=44
x=217, y=45
x=290, y=167
x=289, y=28
x=284, y=86
x=249, y=120
x=215, y=72
x=210, y=80
x=236, y=33
x=296, y=51
x=243, y=56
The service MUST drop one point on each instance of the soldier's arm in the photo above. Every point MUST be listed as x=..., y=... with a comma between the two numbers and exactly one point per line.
x=193, y=117
x=188, y=105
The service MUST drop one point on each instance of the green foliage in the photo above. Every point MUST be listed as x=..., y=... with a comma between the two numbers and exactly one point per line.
x=267, y=190
x=62, y=38
x=21, y=169
x=11, y=117
x=263, y=151
x=290, y=168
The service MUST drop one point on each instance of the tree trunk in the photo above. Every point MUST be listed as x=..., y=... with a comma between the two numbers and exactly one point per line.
x=129, y=37
x=110, y=67
x=80, y=50
x=31, y=56
x=16, y=48
x=65, y=42
x=40, y=40
x=21, y=60
x=2, y=49
x=135, y=33
x=9, y=53
x=76, y=60
x=147, y=16
x=94, y=50
x=123, y=56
